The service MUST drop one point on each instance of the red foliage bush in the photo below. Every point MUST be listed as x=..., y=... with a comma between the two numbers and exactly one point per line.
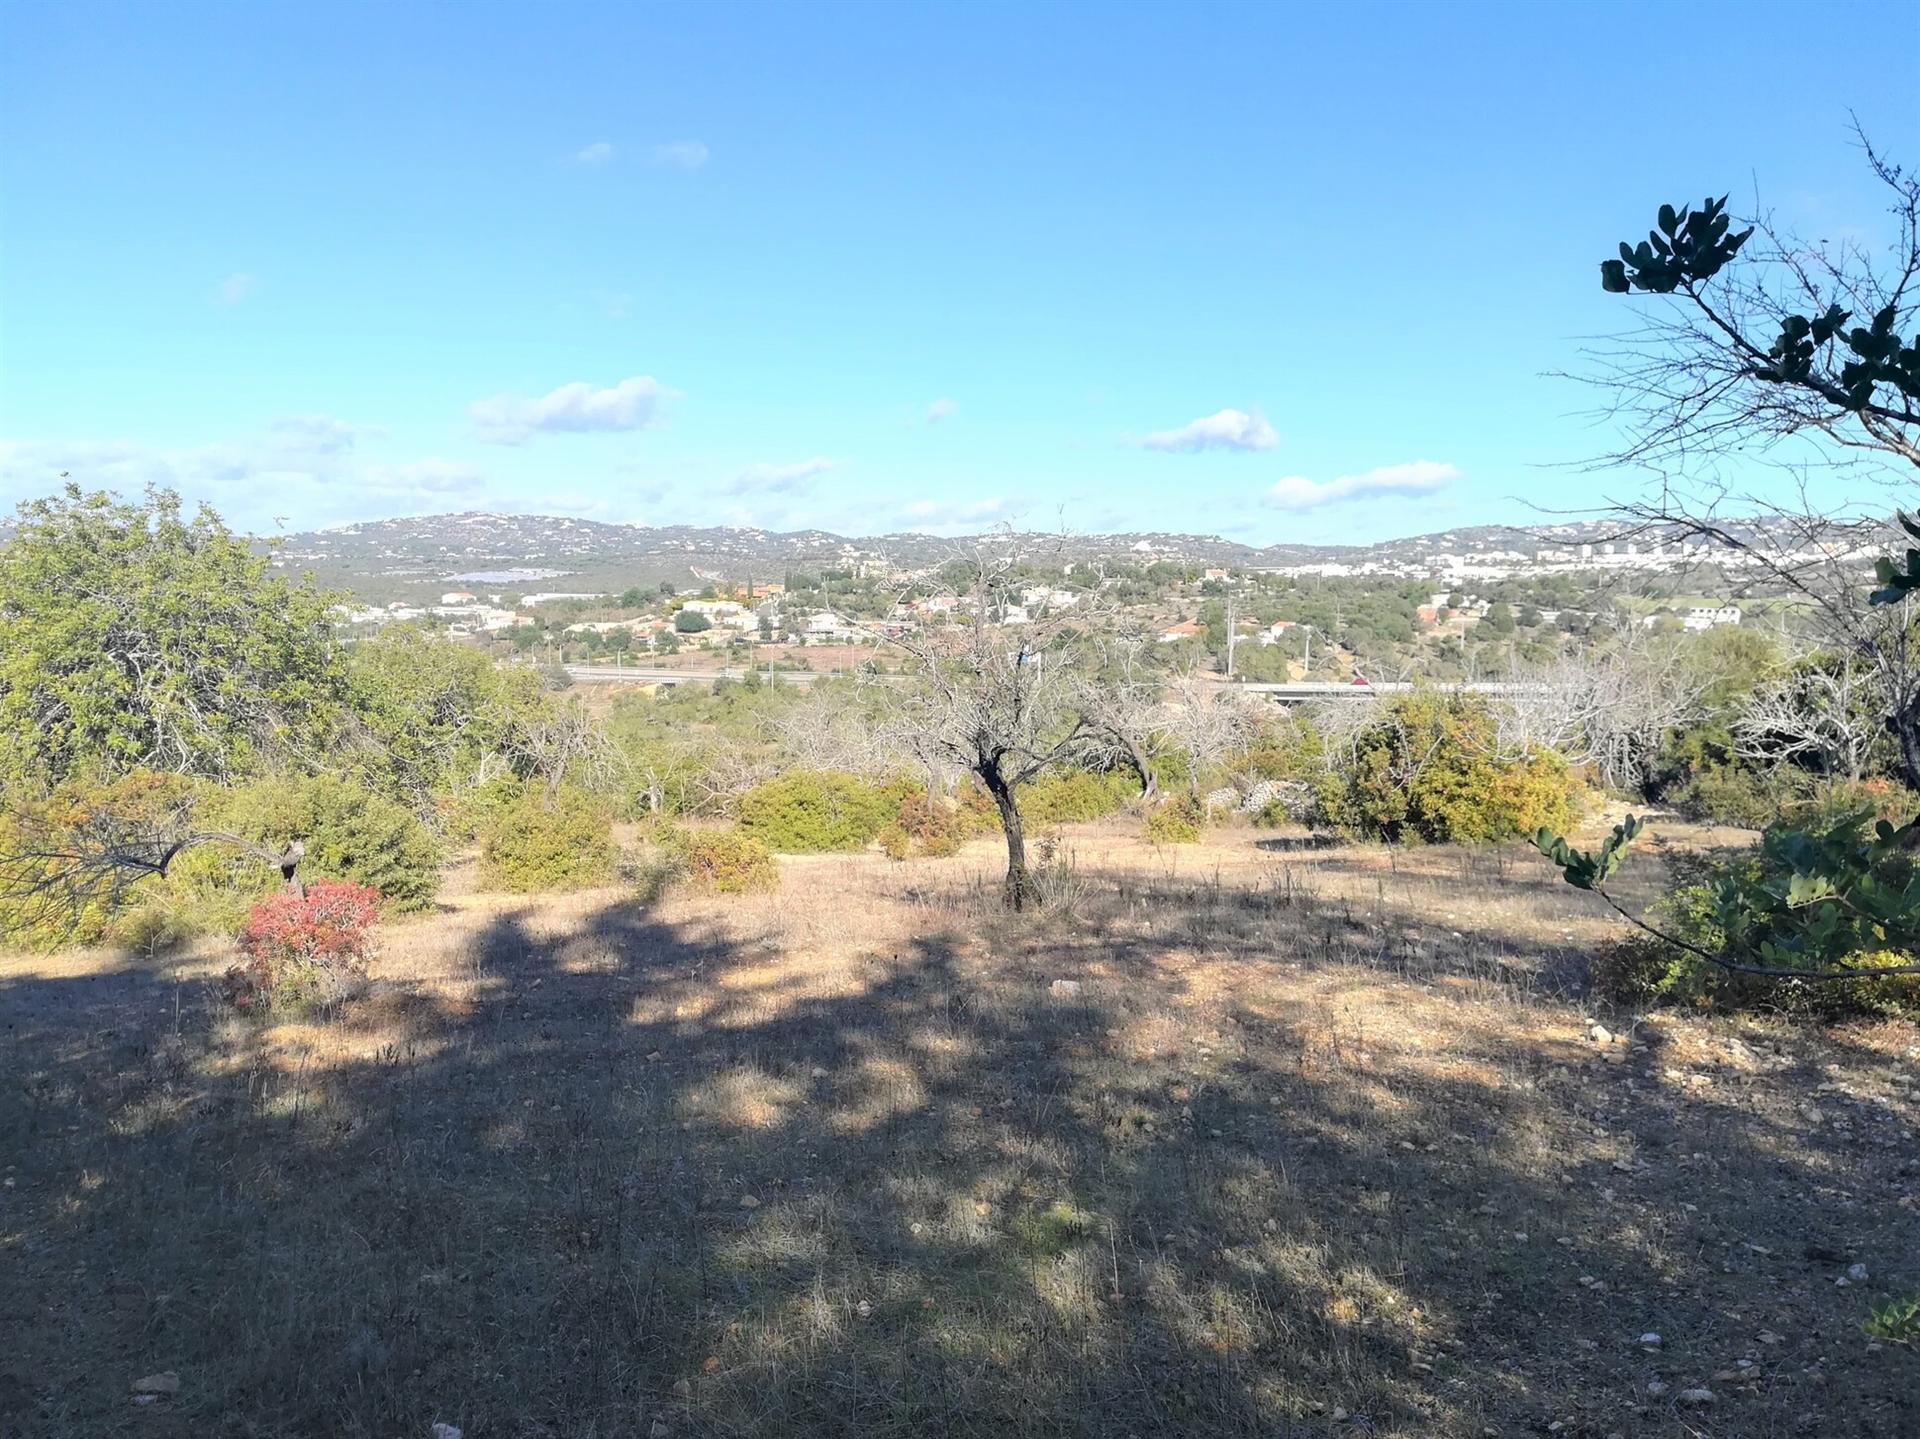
x=301, y=942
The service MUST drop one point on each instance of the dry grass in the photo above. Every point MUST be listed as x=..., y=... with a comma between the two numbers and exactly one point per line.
x=1308, y=1141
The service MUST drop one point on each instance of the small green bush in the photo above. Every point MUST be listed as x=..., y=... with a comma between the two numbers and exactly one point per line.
x=1070, y=795
x=1428, y=770
x=1288, y=748
x=815, y=812
x=469, y=812
x=1897, y=1321
x=1178, y=821
x=537, y=844
x=895, y=843
x=350, y=832
x=726, y=862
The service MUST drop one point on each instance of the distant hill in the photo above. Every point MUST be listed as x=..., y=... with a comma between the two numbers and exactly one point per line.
x=408, y=558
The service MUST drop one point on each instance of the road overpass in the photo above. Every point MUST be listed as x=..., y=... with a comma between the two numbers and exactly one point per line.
x=1283, y=692
x=1300, y=691
x=639, y=675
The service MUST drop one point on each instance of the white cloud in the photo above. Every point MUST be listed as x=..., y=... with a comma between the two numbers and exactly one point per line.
x=424, y=477
x=680, y=154
x=1418, y=477
x=254, y=483
x=236, y=289
x=312, y=434
x=633, y=404
x=937, y=515
x=941, y=409
x=1223, y=430
x=780, y=479
x=600, y=152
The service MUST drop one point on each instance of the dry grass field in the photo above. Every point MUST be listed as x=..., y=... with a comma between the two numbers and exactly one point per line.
x=1254, y=1138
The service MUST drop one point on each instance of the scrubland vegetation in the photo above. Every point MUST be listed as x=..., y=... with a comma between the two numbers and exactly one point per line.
x=1040, y=1036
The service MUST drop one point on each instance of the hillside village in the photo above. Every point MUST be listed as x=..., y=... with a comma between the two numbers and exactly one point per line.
x=1412, y=608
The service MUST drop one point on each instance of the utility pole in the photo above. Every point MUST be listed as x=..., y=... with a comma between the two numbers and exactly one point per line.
x=1231, y=634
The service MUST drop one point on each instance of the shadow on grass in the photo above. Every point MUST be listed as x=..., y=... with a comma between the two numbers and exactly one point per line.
x=645, y=1175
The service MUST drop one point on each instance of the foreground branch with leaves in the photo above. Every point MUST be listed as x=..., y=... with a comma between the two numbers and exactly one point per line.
x=1826, y=905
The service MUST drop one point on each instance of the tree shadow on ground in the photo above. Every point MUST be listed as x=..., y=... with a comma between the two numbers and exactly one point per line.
x=1036, y=1178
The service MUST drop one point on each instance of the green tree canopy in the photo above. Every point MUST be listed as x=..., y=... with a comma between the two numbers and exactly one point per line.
x=133, y=635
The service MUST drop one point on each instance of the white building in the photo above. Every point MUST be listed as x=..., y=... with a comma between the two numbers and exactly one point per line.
x=1704, y=617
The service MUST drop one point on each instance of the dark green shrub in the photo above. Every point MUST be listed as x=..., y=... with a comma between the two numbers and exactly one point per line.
x=814, y=811
x=1731, y=794
x=1429, y=769
x=537, y=843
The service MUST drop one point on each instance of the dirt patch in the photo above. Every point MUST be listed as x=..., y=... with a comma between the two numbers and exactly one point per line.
x=1228, y=1140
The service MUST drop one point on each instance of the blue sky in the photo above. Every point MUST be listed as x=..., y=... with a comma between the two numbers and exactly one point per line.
x=872, y=267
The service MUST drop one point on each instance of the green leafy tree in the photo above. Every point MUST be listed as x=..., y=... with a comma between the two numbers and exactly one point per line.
x=691, y=622
x=433, y=715
x=135, y=635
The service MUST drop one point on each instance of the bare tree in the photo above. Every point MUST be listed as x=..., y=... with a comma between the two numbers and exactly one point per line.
x=1208, y=721
x=825, y=729
x=53, y=878
x=1751, y=343
x=562, y=739
x=1001, y=701
x=1122, y=701
x=1607, y=708
x=1758, y=343
x=1820, y=713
